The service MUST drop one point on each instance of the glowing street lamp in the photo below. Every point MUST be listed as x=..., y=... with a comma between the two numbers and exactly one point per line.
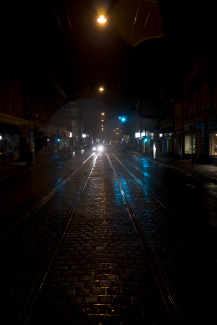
x=102, y=20
x=101, y=89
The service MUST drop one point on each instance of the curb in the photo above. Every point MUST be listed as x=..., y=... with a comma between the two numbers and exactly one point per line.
x=187, y=171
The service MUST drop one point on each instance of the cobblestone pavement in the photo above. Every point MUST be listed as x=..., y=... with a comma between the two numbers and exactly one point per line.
x=22, y=183
x=190, y=270
x=100, y=274
x=24, y=251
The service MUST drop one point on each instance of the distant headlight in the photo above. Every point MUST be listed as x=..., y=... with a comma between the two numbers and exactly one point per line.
x=100, y=148
x=94, y=148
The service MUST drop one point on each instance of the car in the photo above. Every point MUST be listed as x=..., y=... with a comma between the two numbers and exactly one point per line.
x=98, y=148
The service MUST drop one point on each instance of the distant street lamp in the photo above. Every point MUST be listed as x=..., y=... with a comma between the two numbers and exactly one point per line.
x=102, y=20
x=101, y=89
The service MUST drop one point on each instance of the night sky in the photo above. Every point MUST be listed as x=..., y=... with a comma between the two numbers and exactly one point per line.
x=64, y=37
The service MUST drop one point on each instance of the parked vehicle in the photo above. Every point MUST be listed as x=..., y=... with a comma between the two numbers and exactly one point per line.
x=78, y=150
x=65, y=153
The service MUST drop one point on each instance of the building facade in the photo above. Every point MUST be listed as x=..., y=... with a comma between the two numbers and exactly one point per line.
x=166, y=117
x=146, y=122
x=188, y=115
x=27, y=107
x=68, y=122
x=196, y=113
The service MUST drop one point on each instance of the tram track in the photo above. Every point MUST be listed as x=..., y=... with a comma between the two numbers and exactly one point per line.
x=167, y=209
x=29, y=246
x=170, y=244
x=168, y=204
x=170, y=306
x=130, y=196
x=24, y=216
x=160, y=279
x=38, y=283
x=44, y=267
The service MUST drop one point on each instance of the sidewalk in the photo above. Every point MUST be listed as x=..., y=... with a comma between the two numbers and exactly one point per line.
x=15, y=167
x=207, y=172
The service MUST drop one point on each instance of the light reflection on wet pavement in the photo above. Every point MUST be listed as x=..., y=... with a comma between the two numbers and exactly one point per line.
x=103, y=276
x=100, y=274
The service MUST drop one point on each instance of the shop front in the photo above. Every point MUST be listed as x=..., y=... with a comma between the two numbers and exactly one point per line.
x=212, y=131
x=167, y=143
x=213, y=144
x=189, y=144
x=9, y=142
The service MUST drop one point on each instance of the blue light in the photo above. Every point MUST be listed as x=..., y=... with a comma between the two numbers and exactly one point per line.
x=146, y=140
x=58, y=140
x=123, y=119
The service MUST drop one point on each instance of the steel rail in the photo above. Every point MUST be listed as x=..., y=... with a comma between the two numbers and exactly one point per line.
x=170, y=212
x=142, y=184
x=40, y=279
x=43, y=201
x=163, y=287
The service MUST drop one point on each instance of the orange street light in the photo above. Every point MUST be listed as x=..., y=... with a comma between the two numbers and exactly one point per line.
x=102, y=19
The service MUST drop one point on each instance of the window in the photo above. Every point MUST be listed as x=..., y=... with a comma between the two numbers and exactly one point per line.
x=189, y=143
x=213, y=144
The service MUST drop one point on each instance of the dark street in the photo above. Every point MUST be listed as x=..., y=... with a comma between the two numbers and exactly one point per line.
x=108, y=245
x=108, y=162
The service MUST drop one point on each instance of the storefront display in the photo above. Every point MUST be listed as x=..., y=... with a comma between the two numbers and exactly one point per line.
x=213, y=144
x=190, y=143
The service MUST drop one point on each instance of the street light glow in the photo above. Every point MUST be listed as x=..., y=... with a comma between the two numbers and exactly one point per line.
x=101, y=89
x=102, y=19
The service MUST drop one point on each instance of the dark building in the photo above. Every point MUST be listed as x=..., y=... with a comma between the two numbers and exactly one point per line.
x=145, y=121
x=167, y=111
x=27, y=106
x=188, y=115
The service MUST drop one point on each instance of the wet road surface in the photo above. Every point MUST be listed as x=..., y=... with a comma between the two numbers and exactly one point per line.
x=95, y=271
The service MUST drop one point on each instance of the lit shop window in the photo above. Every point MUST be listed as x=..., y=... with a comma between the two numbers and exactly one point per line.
x=213, y=142
x=189, y=143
